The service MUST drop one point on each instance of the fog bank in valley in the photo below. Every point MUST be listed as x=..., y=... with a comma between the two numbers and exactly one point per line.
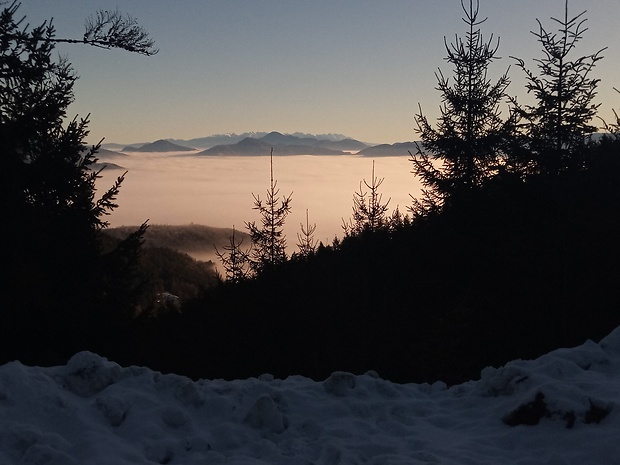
x=217, y=191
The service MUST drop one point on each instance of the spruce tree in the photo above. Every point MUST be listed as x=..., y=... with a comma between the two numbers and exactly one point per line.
x=305, y=240
x=369, y=211
x=466, y=147
x=268, y=239
x=235, y=260
x=557, y=126
x=55, y=281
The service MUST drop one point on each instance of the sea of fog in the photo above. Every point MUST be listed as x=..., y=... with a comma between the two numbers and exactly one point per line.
x=178, y=189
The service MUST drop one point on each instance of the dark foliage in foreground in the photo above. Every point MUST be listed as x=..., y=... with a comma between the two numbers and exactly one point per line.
x=512, y=252
x=517, y=270
x=525, y=262
x=60, y=291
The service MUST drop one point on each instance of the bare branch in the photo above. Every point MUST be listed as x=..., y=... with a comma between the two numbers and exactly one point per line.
x=110, y=29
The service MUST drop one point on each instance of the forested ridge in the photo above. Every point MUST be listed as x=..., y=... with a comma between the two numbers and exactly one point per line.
x=511, y=250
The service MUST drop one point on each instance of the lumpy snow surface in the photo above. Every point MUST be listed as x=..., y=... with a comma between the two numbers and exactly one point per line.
x=558, y=409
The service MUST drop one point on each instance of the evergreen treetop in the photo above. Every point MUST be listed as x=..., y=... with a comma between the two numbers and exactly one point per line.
x=268, y=239
x=557, y=126
x=467, y=145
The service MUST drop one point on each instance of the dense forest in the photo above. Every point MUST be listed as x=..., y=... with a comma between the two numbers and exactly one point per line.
x=511, y=250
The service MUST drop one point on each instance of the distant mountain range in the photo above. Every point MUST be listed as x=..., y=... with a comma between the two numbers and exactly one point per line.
x=390, y=150
x=285, y=144
x=158, y=146
x=229, y=139
x=105, y=153
x=261, y=143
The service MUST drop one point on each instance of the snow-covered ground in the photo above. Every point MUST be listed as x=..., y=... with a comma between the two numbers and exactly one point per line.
x=93, y=411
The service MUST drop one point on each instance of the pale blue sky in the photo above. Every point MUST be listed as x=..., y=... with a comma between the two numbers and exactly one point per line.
x=357, y=67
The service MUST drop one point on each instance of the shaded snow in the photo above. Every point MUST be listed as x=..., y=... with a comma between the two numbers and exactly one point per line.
x=92, y=411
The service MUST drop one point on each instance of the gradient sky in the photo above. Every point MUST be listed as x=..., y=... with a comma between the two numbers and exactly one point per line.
x=356, y=67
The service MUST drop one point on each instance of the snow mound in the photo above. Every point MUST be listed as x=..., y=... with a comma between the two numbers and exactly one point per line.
x=558, y=409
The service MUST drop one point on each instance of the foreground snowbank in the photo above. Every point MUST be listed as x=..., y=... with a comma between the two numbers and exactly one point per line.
x=558, y=409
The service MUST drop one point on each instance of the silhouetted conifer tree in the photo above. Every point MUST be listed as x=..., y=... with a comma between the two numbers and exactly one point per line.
x=369, y=211
x=235, y=260
x=398, y=220
x=268, y=240
x=52, y=217
x=614, y=127
x=305, y=240
x=466, y=146
x=558, y=125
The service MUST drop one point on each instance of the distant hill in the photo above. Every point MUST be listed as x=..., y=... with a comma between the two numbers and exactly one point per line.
x=106, y=154
x=217, y=139
x=159, y=146
x=277, y=138
x=399, y=149
x=106, y=165
x=283, y=144
x=103, y=160
x=196, y=240
x=348, y=145
x=117, y=147
x=246, y=147
x=305, y=150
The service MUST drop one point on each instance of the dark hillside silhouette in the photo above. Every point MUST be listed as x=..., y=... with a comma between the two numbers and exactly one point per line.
x=500, y=262
x=475, y=286
x=61, y=291
x=188, y=238
x=506, y=258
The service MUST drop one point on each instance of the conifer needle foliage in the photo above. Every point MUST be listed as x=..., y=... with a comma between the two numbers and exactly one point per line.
x=369, y=211
x=557, y=126
x=465, y=147
x=268, y=239
x=62, y=289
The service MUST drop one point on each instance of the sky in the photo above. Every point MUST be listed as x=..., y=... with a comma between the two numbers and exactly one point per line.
x=354, y=67
x=560, y=409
